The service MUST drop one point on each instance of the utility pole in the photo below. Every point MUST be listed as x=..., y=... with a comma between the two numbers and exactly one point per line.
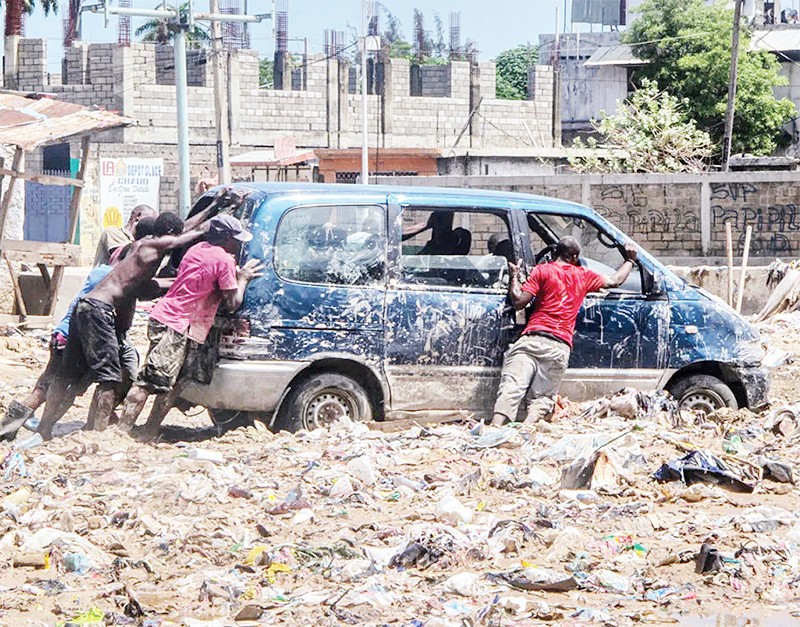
x=180, y=23
x=220, y=100
x=364, y=129
x=732, y=81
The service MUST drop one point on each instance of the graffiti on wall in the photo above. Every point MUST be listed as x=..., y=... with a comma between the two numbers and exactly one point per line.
x=631, y=209
x=741, y=204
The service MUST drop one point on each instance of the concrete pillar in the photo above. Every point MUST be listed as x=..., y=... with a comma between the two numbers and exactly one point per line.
x=387, y=93
x=343, y=109
x=332, y=102
x=282, y=75
x=234, y=69
x=11, y=62
x=705, y=217
x=415, y=88
x=474, y=103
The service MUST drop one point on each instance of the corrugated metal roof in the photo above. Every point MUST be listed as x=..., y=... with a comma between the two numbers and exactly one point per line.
x=620, y=56
x=266, y=158
x=30, y=122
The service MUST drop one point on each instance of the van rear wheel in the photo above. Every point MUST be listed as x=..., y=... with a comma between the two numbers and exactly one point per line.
x=703, y=393
x=322, y=399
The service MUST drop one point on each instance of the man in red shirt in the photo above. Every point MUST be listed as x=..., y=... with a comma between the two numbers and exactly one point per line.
x=535, y=363
x=207, y=276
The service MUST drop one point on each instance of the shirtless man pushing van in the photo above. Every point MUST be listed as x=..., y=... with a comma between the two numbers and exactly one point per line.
x=104, y=315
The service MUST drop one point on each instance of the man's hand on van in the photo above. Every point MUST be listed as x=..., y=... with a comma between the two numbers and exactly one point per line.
x=514, y=268
x=630, y=252
x=251, y=270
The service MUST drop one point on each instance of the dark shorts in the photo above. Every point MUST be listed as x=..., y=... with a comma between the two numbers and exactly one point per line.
x=93, y=348
x=164, y=359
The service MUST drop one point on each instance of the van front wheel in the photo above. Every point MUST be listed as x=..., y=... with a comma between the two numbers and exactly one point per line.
x=321, y=400
x=703, y=393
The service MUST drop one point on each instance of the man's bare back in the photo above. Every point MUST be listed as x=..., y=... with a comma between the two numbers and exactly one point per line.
x=138, y=268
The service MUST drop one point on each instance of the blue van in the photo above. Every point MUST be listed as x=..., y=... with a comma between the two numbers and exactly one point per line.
x=381, y=303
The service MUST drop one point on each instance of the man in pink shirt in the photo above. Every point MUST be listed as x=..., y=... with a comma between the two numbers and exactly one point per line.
x=207, y=276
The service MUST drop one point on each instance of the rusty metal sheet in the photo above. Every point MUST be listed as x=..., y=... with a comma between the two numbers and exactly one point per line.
x=31, y=122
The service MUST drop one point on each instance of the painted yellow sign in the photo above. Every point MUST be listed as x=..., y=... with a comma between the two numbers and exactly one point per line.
x=125, y=183
x=112, y=217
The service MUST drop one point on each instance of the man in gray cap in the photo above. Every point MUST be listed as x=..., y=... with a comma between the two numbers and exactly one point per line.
x=207, y=276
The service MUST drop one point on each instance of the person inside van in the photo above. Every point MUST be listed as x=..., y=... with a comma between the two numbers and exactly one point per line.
x=534, y=365
x=445, y=240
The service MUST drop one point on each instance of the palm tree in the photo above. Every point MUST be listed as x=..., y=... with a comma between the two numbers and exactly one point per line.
x=16, y=8
x=158, y=31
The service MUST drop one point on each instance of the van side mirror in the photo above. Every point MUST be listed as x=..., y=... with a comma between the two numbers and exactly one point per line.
x=651, y=284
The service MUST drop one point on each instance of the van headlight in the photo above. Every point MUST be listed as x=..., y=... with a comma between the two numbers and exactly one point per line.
x=750, y=352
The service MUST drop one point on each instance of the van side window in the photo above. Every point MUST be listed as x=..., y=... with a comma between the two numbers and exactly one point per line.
x=458, y=248
x=599, y=251
x=343, y=245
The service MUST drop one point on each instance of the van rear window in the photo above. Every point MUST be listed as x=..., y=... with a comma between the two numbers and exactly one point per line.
x=342, y=245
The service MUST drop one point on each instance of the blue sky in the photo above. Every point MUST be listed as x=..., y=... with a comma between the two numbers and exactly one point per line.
x=495, y=24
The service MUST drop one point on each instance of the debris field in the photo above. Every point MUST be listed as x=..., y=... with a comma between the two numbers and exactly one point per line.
x=621, y=510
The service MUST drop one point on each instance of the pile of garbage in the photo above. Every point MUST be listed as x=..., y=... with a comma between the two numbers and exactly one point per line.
x=625, y=509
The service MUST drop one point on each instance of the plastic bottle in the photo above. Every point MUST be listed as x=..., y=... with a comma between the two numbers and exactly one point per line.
x=31, y=442
x=208, y=456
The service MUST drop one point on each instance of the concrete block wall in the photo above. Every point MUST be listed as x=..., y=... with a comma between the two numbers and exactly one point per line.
x=130, y=80
x=436, y=81
x=675, y=216
x=32, y=70
x=666, y=215
x=76, y=64
x=488, y=79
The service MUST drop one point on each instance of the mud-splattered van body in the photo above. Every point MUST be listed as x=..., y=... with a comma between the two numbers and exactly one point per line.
x=390, y=302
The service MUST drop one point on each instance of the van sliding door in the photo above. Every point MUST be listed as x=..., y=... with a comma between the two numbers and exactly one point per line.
x=447, y=324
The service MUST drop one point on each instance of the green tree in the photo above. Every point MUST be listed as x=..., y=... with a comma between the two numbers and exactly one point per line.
x=266, y=73
x=158, y=31
x=649, y=133
x=687, y=45
x=512, y=71
x=432, y=48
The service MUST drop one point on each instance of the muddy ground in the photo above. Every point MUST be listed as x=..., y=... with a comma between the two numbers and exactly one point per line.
x=429, y=526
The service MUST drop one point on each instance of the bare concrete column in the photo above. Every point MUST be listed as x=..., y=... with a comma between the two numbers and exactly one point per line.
x=387, y=96
x=343, y=112
x=332, y=102
x=234, y=95
x=11, y=62
x=586, y=192
x=705, y=217
x=474, y=102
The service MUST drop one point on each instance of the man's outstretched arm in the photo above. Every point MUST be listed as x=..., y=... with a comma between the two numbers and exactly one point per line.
x=619, y=277
x=213, y=208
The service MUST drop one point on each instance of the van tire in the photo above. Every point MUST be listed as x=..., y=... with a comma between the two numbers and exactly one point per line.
x=703, y=392
x=321, y=399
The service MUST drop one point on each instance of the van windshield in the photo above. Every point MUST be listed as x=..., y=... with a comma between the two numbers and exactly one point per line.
x=599, y=250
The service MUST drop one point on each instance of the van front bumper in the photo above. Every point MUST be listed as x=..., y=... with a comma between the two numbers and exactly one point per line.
x=245, y=385
x=754, y=381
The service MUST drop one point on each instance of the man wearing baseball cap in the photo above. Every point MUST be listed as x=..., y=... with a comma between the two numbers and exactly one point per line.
x=207, y=276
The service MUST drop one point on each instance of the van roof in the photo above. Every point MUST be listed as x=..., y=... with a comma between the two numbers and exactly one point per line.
x=421, y=193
